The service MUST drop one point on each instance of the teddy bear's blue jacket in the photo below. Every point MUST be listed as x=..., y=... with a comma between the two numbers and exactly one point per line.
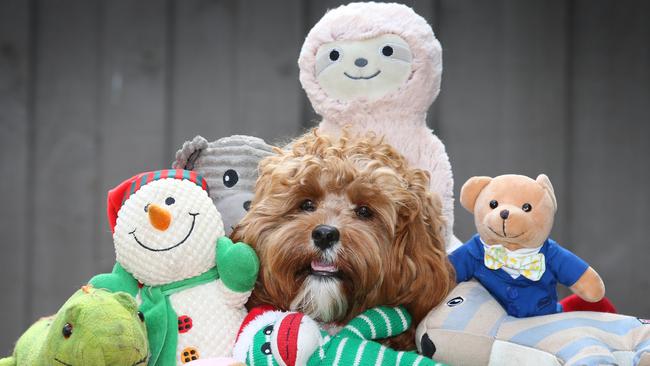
x=520, y=297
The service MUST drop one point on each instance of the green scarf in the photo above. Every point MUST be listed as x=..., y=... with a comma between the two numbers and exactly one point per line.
x=162, y=321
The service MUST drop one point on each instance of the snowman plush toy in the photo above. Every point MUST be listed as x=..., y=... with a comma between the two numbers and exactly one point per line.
x=191, y=281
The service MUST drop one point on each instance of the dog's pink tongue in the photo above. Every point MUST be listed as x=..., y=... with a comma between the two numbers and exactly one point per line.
x=323, y=267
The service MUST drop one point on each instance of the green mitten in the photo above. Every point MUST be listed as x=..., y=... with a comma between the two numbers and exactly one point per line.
x=118, y=280
x=237, y=265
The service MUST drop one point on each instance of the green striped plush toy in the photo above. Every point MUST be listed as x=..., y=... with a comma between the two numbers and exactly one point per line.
x=293, y=339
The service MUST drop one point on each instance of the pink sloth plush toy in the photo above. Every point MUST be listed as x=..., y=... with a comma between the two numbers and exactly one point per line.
x=376, y=67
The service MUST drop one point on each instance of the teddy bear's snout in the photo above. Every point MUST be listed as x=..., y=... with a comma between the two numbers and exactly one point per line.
x=504, y=214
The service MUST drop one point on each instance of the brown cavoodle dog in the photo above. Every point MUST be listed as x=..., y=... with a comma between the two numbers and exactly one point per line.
x=341, y=226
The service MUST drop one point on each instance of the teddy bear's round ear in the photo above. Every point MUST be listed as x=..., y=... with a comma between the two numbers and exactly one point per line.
x=470, y=191
x=543, y=180
x=187, y=155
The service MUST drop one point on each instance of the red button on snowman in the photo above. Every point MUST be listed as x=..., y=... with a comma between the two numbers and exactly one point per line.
x=168, y=237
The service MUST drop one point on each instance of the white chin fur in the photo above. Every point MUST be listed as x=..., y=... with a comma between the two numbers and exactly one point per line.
x=321, y=298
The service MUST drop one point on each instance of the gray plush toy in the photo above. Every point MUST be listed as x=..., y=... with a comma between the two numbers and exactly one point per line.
x=229, y=165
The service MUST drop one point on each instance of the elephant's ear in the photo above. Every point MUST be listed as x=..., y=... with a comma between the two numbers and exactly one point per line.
x=189, y=153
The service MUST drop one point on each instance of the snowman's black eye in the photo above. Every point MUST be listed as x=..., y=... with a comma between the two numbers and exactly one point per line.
x=230, y=178
x=494, y=204
x=268, y=330
x=387, y=51
x=67, y=330
x=455, y=301
x=170, y=201
x=266, y=348
x=334, y=55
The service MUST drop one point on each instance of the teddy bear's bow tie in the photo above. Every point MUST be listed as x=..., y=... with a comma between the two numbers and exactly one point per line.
x=531, y=266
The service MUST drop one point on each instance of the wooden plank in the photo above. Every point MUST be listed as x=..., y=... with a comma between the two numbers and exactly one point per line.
x=268, y=39
x=14, y=158
x=610, y=149
x=65, y=152
x=134, y=134
x=502, y=101
x=203, y=70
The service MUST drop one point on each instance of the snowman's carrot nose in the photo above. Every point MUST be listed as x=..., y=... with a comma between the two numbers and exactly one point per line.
x=159, y=217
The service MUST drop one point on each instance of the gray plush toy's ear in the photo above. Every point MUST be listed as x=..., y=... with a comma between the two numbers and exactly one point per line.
x=187, y=155
x=470, y=191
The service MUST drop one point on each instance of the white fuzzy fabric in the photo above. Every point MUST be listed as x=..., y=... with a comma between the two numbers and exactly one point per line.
x=215, y=321
x=400, y=115
x=194, y=256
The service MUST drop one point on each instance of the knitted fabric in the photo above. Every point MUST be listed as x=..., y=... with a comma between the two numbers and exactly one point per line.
x=90, y=316
x=353, y=345
x=278, y=338
x=229, y=165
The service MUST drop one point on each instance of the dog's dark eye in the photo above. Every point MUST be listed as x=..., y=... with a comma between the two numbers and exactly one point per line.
x=494, y=204
x=67, y=330
x=526, y=207
x=334, y=55
x=230, y=178
x=308, y=205
x=363, y=212
x=141, y=316
x=455, y=301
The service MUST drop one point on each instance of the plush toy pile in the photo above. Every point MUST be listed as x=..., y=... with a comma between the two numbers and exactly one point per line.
x=94, y=327
x=178, y=290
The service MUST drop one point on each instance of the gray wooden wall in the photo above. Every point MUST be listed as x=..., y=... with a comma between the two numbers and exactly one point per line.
x=92, y=92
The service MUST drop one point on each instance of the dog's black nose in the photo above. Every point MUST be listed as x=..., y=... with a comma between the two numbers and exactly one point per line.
x=325, y=236
x=361, y=62
x=247, y=205
x=504, y=214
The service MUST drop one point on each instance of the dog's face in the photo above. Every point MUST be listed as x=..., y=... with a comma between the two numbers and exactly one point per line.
x=344, y=226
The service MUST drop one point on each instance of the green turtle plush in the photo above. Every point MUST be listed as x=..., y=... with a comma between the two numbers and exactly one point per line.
x=277, y=338
x=94, y=327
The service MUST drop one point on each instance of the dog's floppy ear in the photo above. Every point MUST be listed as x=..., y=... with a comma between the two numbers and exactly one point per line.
x=186, y=156
x=419, y=267
x=470, y=191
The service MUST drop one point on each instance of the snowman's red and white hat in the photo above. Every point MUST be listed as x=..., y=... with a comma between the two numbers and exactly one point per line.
x=294, y=339
x=118, y=195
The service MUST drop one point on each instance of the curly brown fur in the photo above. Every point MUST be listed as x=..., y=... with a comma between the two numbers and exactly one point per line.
x=394, y=257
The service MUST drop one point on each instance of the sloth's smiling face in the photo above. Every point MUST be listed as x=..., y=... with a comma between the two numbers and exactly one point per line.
x=369, y=68
x=167, y=231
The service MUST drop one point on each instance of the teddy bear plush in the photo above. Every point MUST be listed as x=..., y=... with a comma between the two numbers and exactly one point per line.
x=274, y=338
x=512, y=254
x=83, y=332
x=229, y=165
x=191, y=281
x=376, y=68
x=471, y=328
